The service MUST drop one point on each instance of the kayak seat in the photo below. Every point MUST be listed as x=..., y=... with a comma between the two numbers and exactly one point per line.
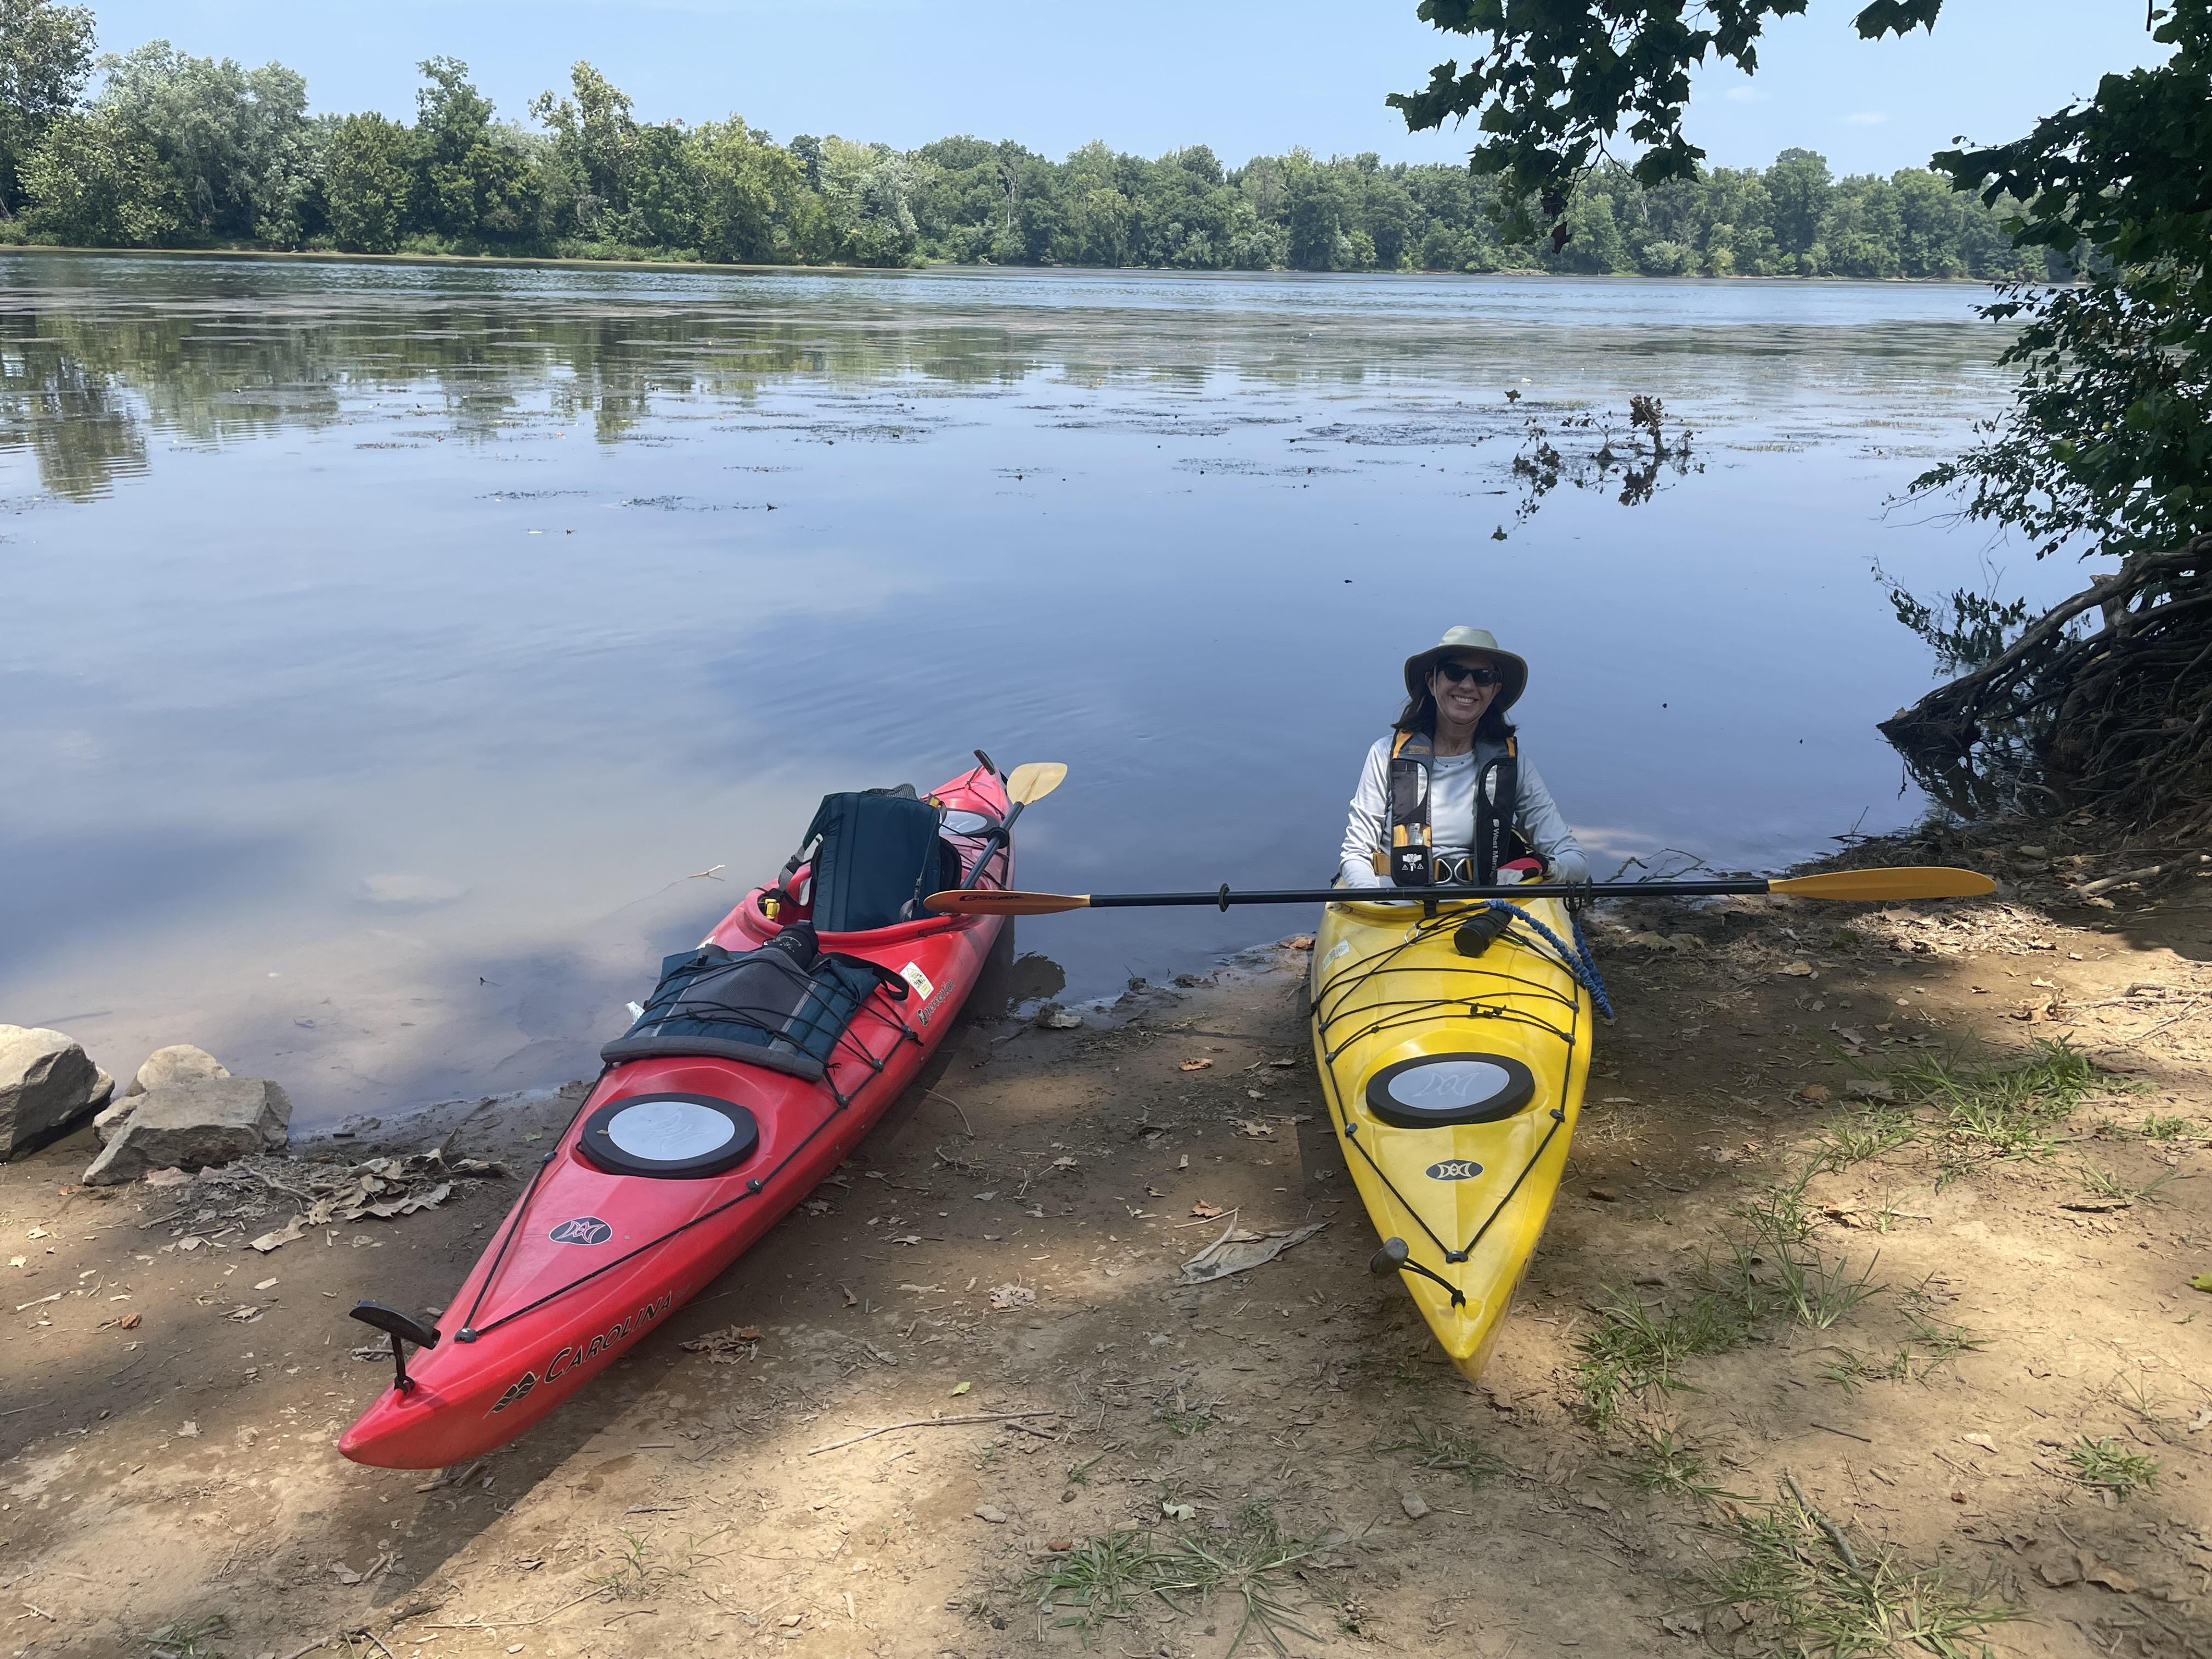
x=782, y=1006
x=877, y=854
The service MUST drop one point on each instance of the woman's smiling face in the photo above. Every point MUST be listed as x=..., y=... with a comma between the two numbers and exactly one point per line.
x=1463, y=702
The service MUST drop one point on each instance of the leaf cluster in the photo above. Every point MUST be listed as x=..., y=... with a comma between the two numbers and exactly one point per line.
x=2109, y=441
x=1560, y=79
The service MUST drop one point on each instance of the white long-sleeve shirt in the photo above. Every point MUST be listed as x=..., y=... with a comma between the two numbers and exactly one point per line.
x=1451, y=815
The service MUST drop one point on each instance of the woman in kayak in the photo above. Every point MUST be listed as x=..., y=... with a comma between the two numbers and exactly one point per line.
x=1418, y=817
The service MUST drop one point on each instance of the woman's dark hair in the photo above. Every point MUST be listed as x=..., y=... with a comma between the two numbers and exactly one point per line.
x=1419, y=715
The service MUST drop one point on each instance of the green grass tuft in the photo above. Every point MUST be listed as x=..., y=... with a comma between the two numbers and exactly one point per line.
x=1989, y=1111
x=1251, y=1564
x=188, y=1639
x=1453, y=1450
x=2104, y=1466
x=1663, y=1459
x=2104, y=1183
x=1807, y=1594
x=1635, y=1348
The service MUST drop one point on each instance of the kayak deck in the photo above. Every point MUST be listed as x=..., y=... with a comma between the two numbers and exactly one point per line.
x=591, y=1257
x=1453, y=1085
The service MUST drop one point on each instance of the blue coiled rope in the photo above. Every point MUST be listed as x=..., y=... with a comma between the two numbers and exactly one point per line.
x=1575, y=958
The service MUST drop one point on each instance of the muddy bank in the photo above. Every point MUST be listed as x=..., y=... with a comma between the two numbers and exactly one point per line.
x=1968, y=1337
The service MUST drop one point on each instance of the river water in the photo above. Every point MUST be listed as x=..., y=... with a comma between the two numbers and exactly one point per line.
x=385, y=650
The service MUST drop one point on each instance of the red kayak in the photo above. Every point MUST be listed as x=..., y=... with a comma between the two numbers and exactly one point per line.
x=762, y=1058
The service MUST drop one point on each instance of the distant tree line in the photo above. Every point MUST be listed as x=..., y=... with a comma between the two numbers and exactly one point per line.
x=171, y=150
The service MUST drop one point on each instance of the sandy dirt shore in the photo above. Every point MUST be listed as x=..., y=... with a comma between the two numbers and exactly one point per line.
x=1859, y=1312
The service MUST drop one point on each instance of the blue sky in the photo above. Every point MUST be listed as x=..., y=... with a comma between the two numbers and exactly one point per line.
x=1244, y=76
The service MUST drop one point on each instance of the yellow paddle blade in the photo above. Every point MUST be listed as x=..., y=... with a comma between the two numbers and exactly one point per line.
x=1909, y=882
x=992, y=901
x=1034, y=781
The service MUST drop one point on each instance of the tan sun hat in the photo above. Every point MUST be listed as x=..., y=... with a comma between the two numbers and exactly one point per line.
x=1477, y=642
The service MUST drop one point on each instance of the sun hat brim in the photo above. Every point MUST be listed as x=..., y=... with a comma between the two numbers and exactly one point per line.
x=1472, y=642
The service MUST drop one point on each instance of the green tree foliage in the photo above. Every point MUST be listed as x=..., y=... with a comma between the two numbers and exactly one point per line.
x=475, y=186
x=179, y=150
x=371, y=182
x=2109, y=441
x=238, y=144
x=1558, y=80
x=45, y=54
x=592, y=161
x=94, y=182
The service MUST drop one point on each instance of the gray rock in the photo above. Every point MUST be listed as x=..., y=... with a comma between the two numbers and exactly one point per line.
x=48, y=1085
x=177, y=1063
x=192, y=1126
x=114, y=1115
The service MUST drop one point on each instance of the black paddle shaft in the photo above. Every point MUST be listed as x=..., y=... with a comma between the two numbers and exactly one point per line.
x=1224, y=898
x=998, y=838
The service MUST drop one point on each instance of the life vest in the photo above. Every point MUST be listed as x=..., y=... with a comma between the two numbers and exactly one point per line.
x=1407, y=856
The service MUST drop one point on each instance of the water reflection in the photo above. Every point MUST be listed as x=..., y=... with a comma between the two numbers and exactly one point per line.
x=392, y=644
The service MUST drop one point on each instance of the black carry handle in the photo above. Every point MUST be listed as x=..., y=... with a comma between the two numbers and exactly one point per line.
x=402, y=1328
x=1395, y=1258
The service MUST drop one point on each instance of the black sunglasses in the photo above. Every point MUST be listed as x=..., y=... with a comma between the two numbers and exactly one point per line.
x=1480, y=673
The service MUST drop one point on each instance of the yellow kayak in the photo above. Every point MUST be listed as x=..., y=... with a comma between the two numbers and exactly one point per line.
x=1455, y=1083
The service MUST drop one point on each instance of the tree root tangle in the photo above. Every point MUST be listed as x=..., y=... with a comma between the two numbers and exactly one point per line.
x=2117, y=719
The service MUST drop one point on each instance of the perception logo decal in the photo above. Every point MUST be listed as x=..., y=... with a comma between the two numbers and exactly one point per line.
x=1453, y=1169
x=584, y=1229
x=516, y=1390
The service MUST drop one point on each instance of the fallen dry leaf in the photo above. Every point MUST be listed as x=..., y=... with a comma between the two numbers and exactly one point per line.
x=128, y=1322
x=1232, y=1254
x=1207, y=1211
x=1797, y=970
x=2094, y=1572
x=1195, y=1065
x=726, y=1347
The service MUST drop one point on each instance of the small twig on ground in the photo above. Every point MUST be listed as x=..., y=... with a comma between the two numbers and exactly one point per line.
x=596, y=1593
x=1846, y=1433
x=955, y=1106
x=1835, y=1532
x=930, y=1423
